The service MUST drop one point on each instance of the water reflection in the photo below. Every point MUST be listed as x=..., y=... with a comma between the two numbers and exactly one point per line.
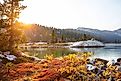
x=104, y=53
x=109, y=52
x=85, y=49
x=41, y=52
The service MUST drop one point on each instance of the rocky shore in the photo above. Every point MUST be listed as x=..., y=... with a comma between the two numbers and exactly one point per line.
x=73, y=67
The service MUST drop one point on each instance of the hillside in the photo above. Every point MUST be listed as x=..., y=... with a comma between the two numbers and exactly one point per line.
x=35, y=32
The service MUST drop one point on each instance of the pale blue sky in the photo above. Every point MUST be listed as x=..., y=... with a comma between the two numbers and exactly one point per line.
x=96, y=14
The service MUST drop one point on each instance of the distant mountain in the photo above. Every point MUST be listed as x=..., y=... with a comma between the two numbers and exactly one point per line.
x=118, y=31
x=35, y=32
x=103, y=35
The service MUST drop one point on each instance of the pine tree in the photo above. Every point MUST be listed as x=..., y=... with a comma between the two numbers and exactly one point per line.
x=9, y=14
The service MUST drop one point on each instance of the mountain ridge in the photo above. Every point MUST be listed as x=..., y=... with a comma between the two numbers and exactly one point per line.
x=37, y=32
x=106, y=35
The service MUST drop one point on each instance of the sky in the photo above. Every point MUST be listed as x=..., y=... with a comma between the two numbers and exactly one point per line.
x=95, y=14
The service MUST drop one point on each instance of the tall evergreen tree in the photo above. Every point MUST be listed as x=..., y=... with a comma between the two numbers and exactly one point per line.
x=54, y=38
x=9, y=14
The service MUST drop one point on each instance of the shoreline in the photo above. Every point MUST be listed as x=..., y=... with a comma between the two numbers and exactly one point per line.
x=64, y=68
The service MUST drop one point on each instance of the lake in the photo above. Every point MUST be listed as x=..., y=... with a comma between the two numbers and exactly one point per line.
x=109, y=52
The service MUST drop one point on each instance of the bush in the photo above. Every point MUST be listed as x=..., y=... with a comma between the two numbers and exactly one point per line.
x=72, y=67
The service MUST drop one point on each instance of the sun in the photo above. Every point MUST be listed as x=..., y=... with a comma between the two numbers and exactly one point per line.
x=26, y=16
x=24, y=20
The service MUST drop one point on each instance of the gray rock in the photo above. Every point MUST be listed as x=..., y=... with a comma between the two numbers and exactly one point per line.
x=11, y=57
x=2, y=56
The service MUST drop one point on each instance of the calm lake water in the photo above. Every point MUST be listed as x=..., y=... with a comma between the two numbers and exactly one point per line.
x=109, y=52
